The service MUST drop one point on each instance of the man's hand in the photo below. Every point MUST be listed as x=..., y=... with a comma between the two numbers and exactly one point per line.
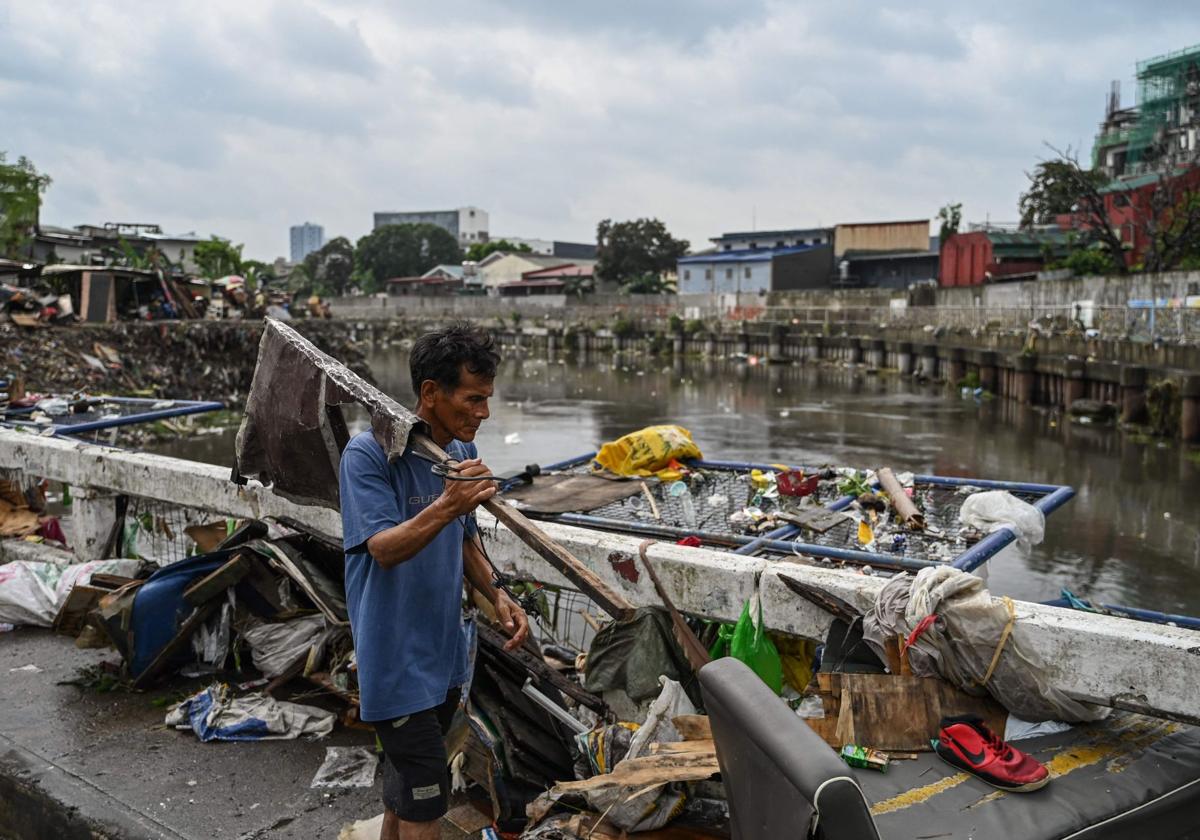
x=461, y=497
x=512, y=619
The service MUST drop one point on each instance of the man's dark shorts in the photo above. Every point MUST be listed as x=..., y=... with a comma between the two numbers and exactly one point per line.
x=416, y=780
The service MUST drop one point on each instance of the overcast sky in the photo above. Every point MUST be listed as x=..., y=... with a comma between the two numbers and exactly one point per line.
x=243, y=118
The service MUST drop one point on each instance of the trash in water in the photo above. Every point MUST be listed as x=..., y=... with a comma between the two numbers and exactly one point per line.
x=512, y=439
x=30, y=668
x=347, y=767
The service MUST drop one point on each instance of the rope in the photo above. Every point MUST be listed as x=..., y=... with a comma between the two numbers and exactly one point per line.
x=1012, y=619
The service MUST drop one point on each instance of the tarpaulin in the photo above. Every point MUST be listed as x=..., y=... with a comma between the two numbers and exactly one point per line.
x=294, y=406
x=214, y=714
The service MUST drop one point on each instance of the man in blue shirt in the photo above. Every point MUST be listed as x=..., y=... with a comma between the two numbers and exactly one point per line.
x=410, y=540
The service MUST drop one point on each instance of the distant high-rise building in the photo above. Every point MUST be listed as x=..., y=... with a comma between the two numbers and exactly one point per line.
x=306, y=238
x=468, y=225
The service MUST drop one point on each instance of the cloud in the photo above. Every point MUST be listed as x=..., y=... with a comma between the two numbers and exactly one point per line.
x=242, y=119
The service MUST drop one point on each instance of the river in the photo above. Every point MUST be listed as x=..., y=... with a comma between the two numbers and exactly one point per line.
x=1130, y=536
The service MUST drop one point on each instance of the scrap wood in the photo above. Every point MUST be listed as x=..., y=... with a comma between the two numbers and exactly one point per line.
x=816, y=519
x=650, y=500
x=905, y=509
x=693, y=727
x=216, y=582
x=684, y=747
x=696, y=653
x=646, y=770
x=832, y=604
x=534, y=665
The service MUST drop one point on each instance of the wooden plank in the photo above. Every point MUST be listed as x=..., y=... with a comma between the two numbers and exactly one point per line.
x=607, y=598
x=693, y=727
x=535, y=666
x=193, y=621
x=648, y=770
x=830, y=603
x=892, y=712
x=696, y=653
x=216, y=582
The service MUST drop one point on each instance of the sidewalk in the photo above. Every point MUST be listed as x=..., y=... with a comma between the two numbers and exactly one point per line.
x=78, y=763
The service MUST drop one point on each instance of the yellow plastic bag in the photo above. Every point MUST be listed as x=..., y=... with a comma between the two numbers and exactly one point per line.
x=797, y=657
x=648, y=451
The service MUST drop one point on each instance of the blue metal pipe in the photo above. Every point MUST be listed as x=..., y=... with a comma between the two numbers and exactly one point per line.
x=147, y=417
x=670, y=531
x=984, y=550
x=1136, y=613
x=777, y=534
x=989, y=546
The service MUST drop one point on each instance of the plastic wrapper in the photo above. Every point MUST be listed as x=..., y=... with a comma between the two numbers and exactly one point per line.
x=994, y=509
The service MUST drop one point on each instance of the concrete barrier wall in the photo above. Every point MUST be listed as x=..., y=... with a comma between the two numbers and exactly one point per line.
x=1111, y=661
x=1023, y=300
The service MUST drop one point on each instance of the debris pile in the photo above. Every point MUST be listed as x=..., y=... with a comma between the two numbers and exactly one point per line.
x=211, y=360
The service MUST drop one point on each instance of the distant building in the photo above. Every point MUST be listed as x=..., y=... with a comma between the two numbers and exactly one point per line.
x=501, y=268
x=907, y=236
x=1165, y=118
x=445, y=272
x=773, y=239
x=756, y=269
x=468, y=225
x=435, y=286
x=549, y=281
x=555, y=248
x=889, y=255
x=306, y=238
x=993, y=253
x=98, y=244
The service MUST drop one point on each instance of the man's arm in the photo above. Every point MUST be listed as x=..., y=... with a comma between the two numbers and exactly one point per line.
x=394, y=545
x=478, y=573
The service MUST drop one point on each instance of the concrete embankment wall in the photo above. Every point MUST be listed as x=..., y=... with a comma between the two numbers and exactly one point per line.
x=1026, y=299
x=1156, y=385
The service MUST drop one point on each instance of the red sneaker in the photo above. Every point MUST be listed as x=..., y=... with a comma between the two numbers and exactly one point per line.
x=967, y=744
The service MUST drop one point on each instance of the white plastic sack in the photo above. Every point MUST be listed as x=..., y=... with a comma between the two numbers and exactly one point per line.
x=274, y=646
x=992, y=510
x=32, y=593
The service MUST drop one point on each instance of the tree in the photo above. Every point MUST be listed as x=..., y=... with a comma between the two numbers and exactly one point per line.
x=218, y=258
x=332, y=267
x=257, y=273
x=951, y=217
x=1163, y=212
x=629, y=250
x=1055, y=188
x=480, y=250
x=405, y=250
x=649, y=284
x=21, y=188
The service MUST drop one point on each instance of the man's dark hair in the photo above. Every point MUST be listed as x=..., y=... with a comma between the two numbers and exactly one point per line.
x=440, y=355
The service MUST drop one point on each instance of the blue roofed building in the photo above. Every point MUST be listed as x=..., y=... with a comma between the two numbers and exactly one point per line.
x=756, y=269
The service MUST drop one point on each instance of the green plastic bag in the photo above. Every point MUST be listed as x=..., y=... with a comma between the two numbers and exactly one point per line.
x=747, y=641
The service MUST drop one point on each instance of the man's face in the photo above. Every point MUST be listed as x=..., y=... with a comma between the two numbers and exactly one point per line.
x=460, y=412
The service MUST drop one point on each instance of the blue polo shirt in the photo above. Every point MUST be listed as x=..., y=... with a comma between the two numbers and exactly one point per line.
x=407, y=622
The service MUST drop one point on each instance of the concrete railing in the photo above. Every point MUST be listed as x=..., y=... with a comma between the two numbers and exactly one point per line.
x=1111, y=661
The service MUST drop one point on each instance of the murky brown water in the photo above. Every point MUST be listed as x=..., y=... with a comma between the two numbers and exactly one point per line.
x=1130, y=536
